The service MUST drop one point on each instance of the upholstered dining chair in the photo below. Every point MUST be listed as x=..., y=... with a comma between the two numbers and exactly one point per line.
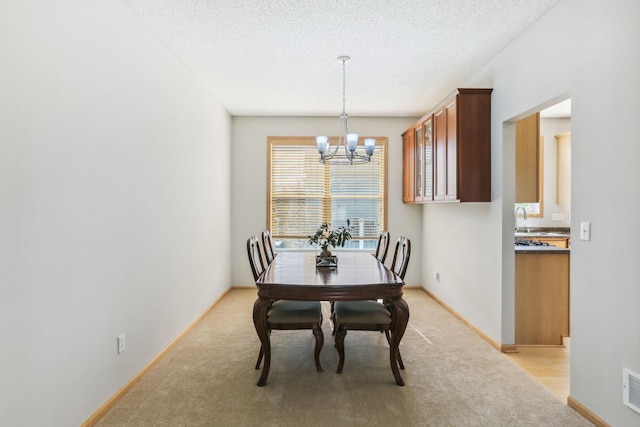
x=285, y=314
x=370, y=315
x=401, y=256
x=383, y=246
x=267, y=247
x=381, y=255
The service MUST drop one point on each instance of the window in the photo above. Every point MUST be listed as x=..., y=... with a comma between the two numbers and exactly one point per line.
x=303, y=193
x=532, y=209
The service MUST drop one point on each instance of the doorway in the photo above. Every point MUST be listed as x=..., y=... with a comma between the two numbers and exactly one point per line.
x=550, y=212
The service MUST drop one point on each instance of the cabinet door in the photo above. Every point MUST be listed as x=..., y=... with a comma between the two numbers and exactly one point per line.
x=451, y=123
x=440, y=155
x=428, y=159
x=527, y=159
x=408, y=164
x=419, y=164
x=541, y=299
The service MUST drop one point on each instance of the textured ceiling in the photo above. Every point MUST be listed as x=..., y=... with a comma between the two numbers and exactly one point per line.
x=268, y=57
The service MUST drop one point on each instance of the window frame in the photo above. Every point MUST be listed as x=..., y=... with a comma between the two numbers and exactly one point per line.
x=381, y=147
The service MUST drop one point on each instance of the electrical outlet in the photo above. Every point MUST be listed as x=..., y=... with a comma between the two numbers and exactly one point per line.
x=436, y=276
x=557, y=217
x=121, y=345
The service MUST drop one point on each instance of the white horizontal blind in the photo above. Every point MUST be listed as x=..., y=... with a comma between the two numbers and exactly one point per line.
x=303, y=192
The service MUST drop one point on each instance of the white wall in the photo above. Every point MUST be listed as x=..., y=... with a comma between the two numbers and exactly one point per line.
x=114, y=198
x=586, y=50
x=249, y=187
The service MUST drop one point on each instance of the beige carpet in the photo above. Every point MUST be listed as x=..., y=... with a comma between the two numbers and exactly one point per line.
x=452, y=376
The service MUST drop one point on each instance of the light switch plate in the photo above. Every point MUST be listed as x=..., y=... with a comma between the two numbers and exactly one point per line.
x=121, y=344
x=585, y=231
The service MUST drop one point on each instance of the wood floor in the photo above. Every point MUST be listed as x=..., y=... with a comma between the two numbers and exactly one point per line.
x=549, y=366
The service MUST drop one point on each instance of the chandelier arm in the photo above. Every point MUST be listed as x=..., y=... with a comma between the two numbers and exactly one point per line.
x=332, y=154
x=341, y=159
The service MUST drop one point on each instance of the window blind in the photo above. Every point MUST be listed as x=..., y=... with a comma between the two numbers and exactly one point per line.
x=303, y=193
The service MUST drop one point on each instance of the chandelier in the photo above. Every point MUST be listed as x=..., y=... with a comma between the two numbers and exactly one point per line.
x=348, y=141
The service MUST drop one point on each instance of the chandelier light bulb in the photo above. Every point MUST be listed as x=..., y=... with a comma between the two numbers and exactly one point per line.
x=352, y=141
x=322, y=144
x=369, y=145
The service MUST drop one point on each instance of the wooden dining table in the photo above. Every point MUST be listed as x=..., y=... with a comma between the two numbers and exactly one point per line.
x=358, y=276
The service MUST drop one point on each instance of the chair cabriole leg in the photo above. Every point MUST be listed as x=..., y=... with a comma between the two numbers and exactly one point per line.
x=317, y=332
x=340, y=334
x=386, y=333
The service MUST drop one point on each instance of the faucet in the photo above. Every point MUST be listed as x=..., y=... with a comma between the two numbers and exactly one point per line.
x=515, y=216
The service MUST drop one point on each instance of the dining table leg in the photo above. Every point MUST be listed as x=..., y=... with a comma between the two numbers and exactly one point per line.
x=260, y=310
x=400, y=310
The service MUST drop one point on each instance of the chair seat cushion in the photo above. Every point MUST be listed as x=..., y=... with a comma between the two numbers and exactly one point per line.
x=285, y=311
x=365, y=312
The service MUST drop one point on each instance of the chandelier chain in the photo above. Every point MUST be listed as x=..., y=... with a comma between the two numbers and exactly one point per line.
x=344, y=88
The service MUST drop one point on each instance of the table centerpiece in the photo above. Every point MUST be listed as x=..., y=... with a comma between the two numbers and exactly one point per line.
x=328, y=237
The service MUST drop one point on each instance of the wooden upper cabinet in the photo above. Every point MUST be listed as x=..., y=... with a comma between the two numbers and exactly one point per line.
x=528, y=159
x=408, y=166
x=460, y=155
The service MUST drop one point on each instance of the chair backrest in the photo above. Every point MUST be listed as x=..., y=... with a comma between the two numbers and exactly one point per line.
x=383, y=246
x=267, y=247
x=401, y=256
x=255, y=257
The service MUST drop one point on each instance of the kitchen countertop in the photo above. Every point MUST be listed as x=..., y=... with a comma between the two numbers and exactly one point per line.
x=537, y=250
x=544, y=233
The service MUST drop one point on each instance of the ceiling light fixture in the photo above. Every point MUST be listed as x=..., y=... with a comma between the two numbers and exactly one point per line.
x=348, y=140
